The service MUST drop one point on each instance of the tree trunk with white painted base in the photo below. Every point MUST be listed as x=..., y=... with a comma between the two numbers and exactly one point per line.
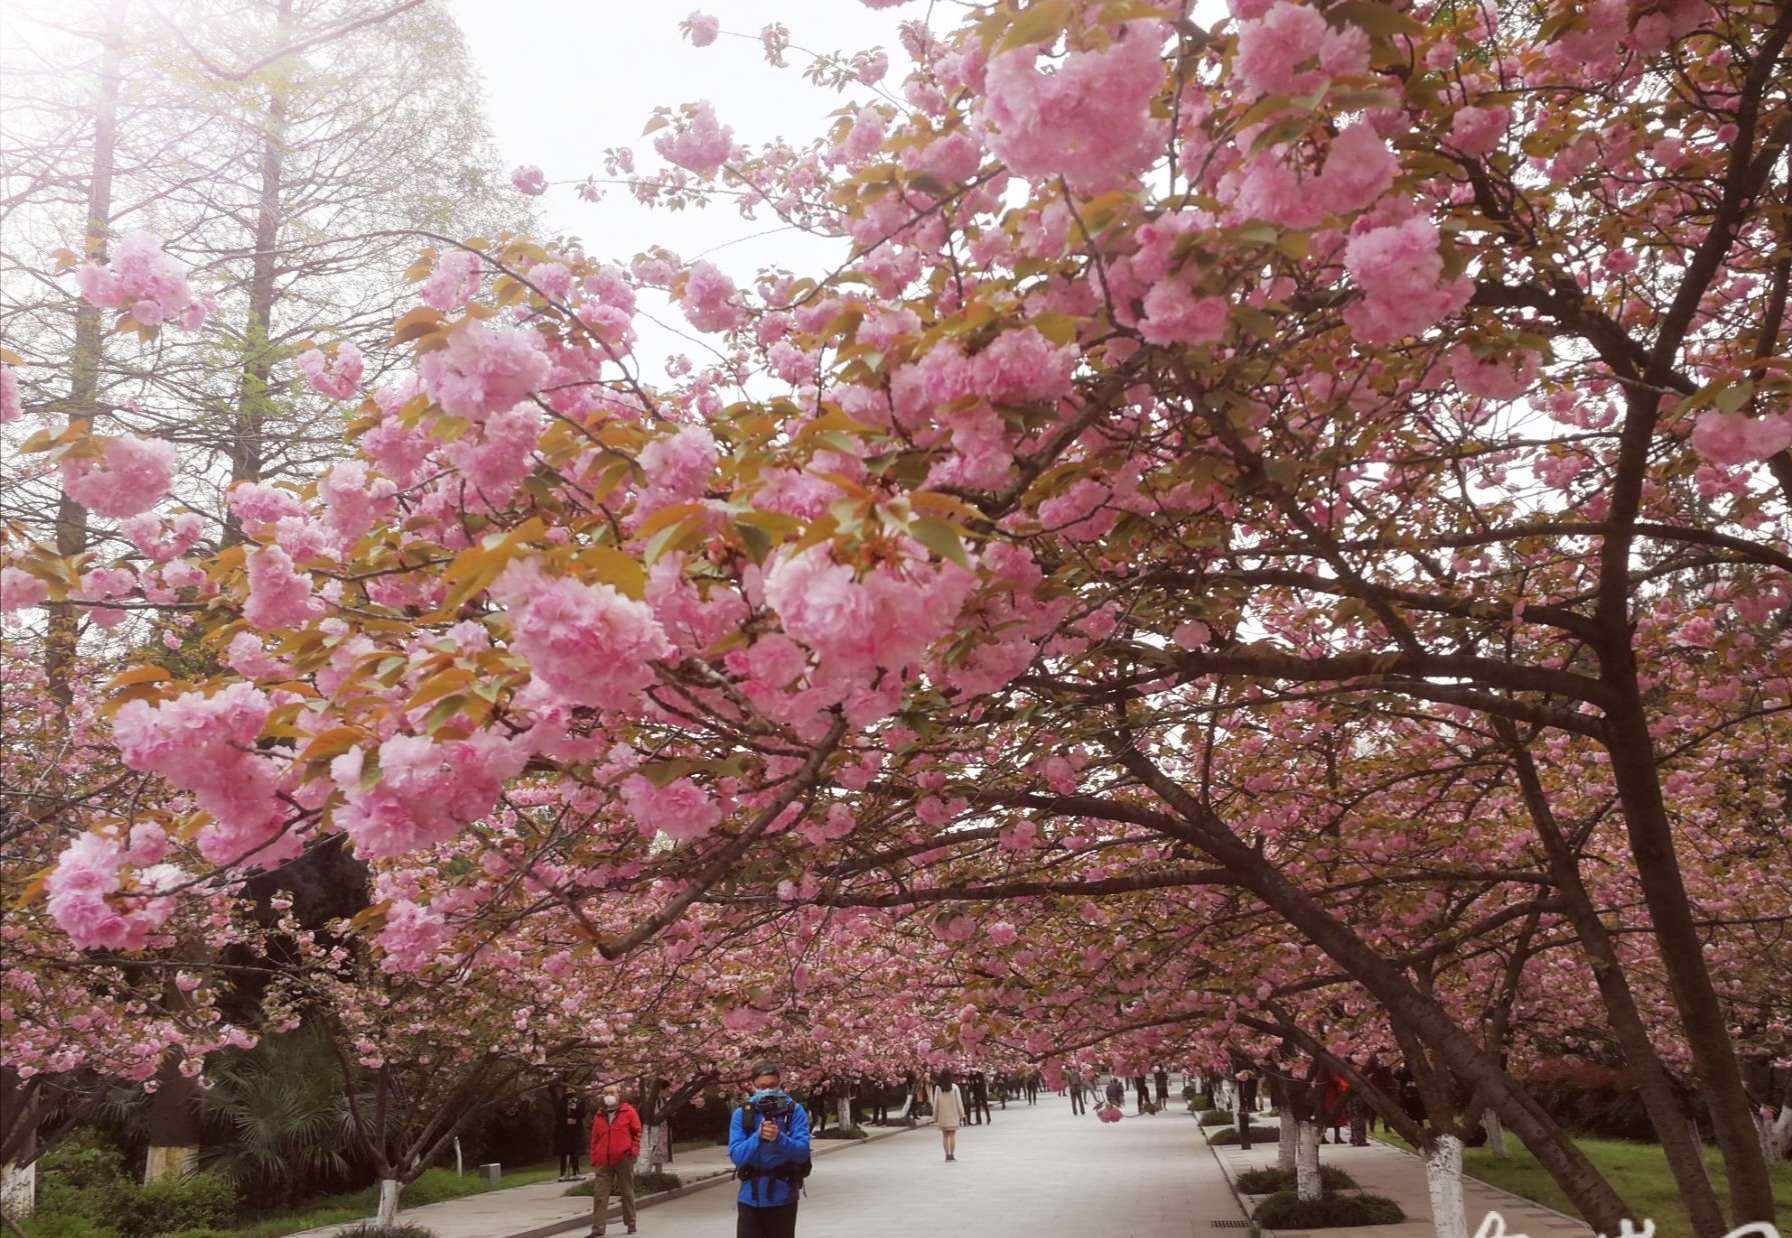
x=1306, y=1161
x=845, y=1112
x=18, y=1190
x=1285, y=1137
x=1496, y=1134
x=1443, y=1177
x=388, y=1214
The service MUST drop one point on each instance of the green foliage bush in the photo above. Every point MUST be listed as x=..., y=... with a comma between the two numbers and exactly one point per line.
x=1286, y=1210
x=842, y=1132
x=48, y=1224
x=199, y=1201
x=401, y=1230
x=1259, y=1134
x=1269, y=1181
x=1215, y=1117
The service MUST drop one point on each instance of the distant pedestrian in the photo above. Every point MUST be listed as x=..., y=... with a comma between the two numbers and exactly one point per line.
x=1144, y=1090
x=615, y=1147
x=1076, y=1095
x=1116, y=1092
x=948, y=1113
x=1162, y=1080
x=569, y=1130
x=980, y=1096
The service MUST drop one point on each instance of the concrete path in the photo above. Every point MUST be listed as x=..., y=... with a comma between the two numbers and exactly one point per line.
x=1033, y=1172
x=1384, y=1170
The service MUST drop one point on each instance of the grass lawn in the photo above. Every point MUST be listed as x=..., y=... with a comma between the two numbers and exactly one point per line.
x=433, y=1187
x=1637, y=1171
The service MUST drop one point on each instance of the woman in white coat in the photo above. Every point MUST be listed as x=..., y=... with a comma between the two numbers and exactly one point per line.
x=948, y=1112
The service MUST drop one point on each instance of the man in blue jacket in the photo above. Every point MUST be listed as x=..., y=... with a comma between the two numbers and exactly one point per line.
x=768, y=1141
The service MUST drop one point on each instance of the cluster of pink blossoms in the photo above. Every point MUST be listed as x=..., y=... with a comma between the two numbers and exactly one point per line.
x=588, y=643
x=1088, y=119
x=529, y=180
x=484, y=369
x=1401, y=274
x=11, y=408
x=279, y=597
x=86, y=899
x=1736, y=438
x=145, y=281
x=701, y=28
x=681, y=809
x=136, y=472
x=205, y=746
x=699, y=142
x=425, y=793
x=708, y=299
x=1273, y=47
x=337, y=377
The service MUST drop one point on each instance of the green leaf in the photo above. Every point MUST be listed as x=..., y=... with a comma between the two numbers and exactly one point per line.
x=942, y=537
x=1377, y=18
x=1041, y=23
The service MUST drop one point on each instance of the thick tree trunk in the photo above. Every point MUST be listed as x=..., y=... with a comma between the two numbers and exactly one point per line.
x=84, y=374
x=18, y=1121
x=388, y=1213
x=1443, y=1180
x=173, y=1125
x=1286, y=1135
x=247, y=457
x=845, y=1111
x=1637, y=775
x=1306, y=1162
x=1496, y=1134
x=1679, y=1141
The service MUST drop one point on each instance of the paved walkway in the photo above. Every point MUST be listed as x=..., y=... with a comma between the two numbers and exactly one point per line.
x=1033, y=1172
x=1385, y=1170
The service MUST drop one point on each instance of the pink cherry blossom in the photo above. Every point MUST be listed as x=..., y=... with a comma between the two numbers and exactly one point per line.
x=529, y=180
x=279, y=597
x=1088, y=119
x=10, y=405
x=588, y=643
x=708, y=299
x=701, y=28
x=682, y=810
x=425, y=791
x=1477, y=130
x=1401, y=273
x=698, y=142
x=1175, y=315
x=1273, y=46
x=1359, y=168
x=454, y=282
x=1736, y=438
x=1493, y=378
x=20, y=590
x=143, y=279
x=336, y=377
x=484, y=369
x=136, y=473
x=255, y=504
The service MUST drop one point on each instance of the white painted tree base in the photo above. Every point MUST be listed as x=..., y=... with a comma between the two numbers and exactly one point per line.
x=388, y=1213
x=1443, y=1178
x=1306, y=1161
x=18, y=1190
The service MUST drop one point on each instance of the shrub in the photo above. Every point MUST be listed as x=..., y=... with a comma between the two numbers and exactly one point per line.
x=48, y=1224
x=1215, y=1117
x=368, y=1229
x=646, y=1183
x=198, y=1201
x=842, y=1132
x=1259, y=1134
x=1286, y=1210
x=1269, y=1181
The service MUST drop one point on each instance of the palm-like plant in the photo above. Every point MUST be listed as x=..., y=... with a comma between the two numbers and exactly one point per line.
x=279, y=1105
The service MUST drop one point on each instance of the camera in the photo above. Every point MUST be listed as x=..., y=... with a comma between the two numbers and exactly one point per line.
x=770, y=1104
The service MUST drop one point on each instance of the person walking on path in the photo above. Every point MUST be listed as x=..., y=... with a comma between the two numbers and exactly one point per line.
x=1144, y=1090
x=569, y=1130
x=768, y=1141
x=948, y=1113
x=1076, y=1094
x=1116, y=1093
x=615, y=1146
x=1162, y=1080
x=980, y=1099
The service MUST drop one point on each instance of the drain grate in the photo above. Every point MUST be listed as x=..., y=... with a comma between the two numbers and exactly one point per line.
x=1231, y=1224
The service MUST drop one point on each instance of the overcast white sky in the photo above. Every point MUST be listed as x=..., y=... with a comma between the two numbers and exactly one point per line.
x=565, y=79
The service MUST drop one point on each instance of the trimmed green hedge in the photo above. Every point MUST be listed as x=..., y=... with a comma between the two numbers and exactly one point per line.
x=1288, y=1211
x=1259, y=1134
x=1214, y=1117
x=1270, y=1181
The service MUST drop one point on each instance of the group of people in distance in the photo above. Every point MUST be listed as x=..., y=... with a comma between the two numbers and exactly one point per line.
x=1082, y=1086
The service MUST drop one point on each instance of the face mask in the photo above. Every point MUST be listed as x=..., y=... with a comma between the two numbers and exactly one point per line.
x=610, y=1099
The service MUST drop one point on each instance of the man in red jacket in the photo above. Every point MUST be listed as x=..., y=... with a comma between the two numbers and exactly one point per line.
x=615, y=1145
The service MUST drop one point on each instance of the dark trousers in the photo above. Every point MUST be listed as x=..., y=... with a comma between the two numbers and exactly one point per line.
x=569, y=1164
x=779, y=1222
x=1076, y=1101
